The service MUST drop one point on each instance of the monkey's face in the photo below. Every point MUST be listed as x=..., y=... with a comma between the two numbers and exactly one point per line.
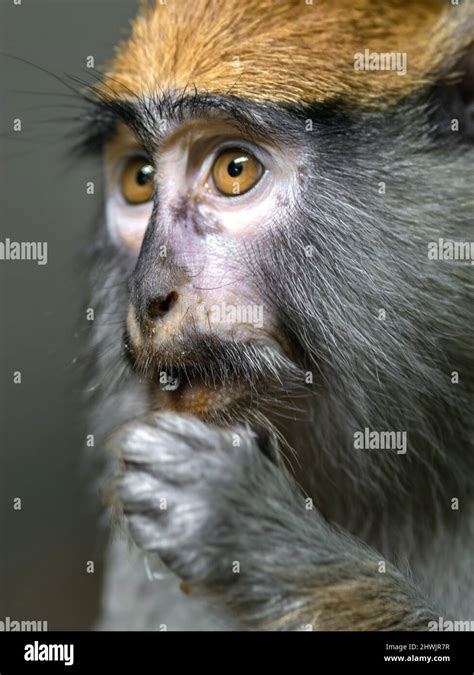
x=197, y=210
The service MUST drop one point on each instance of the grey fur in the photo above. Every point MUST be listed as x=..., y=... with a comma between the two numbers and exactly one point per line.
x=219, y=545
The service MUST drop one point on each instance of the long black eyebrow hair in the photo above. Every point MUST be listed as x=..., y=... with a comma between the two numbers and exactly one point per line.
x=142, y=114
x=107, y=102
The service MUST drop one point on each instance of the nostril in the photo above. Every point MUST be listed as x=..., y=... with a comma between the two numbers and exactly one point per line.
x=158, y=307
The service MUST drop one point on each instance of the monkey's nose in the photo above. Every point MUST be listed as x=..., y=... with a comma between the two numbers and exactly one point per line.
x=158, y=307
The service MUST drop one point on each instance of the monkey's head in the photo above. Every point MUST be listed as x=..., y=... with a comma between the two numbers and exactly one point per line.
x=275, y=173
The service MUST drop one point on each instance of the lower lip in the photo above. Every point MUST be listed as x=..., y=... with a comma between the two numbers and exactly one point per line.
x=195, y=398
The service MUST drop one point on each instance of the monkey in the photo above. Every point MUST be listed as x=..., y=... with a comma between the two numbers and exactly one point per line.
x=284, y=367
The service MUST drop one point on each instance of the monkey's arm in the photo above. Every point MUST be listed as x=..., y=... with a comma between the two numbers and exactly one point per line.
x=231, y=523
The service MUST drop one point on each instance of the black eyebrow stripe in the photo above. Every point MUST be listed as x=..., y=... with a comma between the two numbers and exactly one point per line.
x=100, y=124
x=142, y=116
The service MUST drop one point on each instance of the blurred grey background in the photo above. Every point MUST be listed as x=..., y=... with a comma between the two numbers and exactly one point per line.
x=45, y=546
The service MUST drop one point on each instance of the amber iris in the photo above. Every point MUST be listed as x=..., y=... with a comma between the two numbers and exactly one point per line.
x=137, y=181
x=235, y=172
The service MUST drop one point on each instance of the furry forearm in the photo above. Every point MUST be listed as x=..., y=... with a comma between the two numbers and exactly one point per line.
x=235, y=526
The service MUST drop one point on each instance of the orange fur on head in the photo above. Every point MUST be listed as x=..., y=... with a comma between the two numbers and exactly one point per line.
x=285, y=50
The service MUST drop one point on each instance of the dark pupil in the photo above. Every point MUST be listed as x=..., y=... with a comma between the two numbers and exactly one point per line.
x=236, y=166
x=143, y=176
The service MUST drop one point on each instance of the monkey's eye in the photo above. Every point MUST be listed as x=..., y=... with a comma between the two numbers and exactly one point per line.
x=235, y=172
x=136, y=180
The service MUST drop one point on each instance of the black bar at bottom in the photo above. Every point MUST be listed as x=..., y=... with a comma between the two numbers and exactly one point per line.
x=135, y=652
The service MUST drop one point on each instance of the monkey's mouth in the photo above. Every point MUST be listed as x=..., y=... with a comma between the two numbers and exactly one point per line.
x=205, y=375
x=181, y=390
x=200, y=381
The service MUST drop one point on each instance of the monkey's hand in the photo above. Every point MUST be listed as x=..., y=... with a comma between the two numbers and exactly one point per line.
x=231, y=523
